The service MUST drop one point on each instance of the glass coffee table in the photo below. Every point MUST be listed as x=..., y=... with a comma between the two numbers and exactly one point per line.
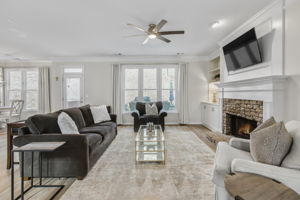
x=150, y=145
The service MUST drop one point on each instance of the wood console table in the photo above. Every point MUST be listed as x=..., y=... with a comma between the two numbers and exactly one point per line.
x=12, y=130
x=244, y=186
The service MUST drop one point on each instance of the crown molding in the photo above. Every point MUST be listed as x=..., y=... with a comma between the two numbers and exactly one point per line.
x=131, y=59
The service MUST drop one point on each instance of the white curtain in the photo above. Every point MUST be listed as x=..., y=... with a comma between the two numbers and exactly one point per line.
x=117, y=100
x=183, y=92
x=44, y=92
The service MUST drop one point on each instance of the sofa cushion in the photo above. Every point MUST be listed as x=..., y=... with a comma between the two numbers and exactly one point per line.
x=43, y=123
x=223, y=158
x=149, y=118
x=102, y=130
x=87, y=115
x=292, y=159
x=100, y=113
x=93, y=140
x=76, y=115
x=140, y=106
x=270, y=145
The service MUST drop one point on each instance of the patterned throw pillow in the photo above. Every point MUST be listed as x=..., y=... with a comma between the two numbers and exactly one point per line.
x=270, y=145
x=66, y=124
x=151, y=109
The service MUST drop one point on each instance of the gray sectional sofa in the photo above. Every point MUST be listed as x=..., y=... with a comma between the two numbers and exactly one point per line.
x=80, y=152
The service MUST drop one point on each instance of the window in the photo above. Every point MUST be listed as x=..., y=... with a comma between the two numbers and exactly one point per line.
x=145, y=83
x=22, y=84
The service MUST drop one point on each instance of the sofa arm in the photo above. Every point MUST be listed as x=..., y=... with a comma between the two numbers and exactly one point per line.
x=135, y=114
x=113, y=117
x=239, y=143
x=288, y=177
x=163, y=114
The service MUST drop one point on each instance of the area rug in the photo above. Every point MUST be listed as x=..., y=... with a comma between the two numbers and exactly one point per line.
x=186, y=174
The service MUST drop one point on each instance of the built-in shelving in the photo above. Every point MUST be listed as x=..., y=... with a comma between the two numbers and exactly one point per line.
x=214, y=70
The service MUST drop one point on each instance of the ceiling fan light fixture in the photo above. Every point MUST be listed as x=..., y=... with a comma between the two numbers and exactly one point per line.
x=215, y=24
x=152, y=36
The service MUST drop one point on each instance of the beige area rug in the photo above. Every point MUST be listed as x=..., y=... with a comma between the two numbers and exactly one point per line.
x=185, y=176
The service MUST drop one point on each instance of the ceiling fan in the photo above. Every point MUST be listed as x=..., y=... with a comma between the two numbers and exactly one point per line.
x=154, y=32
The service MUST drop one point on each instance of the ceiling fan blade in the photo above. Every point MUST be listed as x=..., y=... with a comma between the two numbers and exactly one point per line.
x=163, y=39
x=160, y=25
x=146, y=41
x=170, y=32
x=138, y=28
x=137, y=35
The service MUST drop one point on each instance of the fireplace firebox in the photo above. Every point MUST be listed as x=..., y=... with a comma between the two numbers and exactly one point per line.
x=242, y=127
x=241, y=116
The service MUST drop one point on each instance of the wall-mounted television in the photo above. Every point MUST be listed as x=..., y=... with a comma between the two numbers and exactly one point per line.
x=242, y=52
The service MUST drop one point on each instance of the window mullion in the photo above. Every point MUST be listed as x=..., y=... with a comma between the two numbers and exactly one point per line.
x=159, y=83
x=141, y=82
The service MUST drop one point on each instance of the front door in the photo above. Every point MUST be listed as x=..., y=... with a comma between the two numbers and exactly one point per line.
x=73, y=90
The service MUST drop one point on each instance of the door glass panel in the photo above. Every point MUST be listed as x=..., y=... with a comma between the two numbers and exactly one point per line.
x=32, y=100
x=32, y=80
x=14, y=95
x=150, y=79
x=73, y=92
x=131, y=97
x=168, y=98
x=168, y=78
x=15, y=80
x=131, y=78
x=150, y=95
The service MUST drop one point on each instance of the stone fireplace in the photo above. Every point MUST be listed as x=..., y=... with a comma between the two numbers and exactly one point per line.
x=241, y=117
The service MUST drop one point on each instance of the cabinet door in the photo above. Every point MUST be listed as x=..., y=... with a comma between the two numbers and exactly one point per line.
x=214, y=117
x=204, y=114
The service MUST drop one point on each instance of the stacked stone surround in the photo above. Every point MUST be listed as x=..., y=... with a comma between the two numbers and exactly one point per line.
x=249, y=109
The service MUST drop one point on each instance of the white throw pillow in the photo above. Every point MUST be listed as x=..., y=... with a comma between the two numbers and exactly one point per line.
x=100, y=113
x=292, y=159
x=151, y=109
x=66, y=124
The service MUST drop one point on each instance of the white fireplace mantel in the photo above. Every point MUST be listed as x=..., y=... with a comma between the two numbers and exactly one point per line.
x=269, y=89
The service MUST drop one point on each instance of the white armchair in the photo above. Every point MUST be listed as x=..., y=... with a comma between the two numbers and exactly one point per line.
x=235, y=157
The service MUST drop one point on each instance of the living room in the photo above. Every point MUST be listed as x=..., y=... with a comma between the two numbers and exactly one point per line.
x=150, y=100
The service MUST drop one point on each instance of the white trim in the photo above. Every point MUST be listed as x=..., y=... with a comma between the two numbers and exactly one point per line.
x=254, y=81
x=133, y=58
x=250, y=68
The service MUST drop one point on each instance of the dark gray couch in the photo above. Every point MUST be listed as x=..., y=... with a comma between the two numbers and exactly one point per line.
x=81, y=151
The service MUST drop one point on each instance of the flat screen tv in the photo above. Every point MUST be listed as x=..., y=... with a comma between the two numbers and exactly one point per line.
x=242, y=52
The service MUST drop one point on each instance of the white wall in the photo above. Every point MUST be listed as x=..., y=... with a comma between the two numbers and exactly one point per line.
x=98, y=86
x=292, y=60
x=97, y=83
x=198, y=89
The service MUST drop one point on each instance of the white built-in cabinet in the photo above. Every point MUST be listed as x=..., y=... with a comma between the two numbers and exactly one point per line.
x=210, y=114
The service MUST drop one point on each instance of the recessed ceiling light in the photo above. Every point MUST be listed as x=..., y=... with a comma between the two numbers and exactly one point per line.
x=215, y=24
x=152, y=36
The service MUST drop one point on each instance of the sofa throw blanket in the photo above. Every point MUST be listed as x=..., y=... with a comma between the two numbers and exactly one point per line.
x=151, y=109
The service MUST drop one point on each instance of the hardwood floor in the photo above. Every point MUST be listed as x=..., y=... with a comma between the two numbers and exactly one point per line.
x=45, y=193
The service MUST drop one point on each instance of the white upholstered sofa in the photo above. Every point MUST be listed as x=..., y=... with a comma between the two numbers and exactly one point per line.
x=235, y=157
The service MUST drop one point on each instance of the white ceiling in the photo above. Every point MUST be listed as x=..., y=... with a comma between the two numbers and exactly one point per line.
x=90, y=28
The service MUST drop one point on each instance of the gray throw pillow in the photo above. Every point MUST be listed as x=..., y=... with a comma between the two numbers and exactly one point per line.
x=270, y=145
x=267, y=123
x=151, y=109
